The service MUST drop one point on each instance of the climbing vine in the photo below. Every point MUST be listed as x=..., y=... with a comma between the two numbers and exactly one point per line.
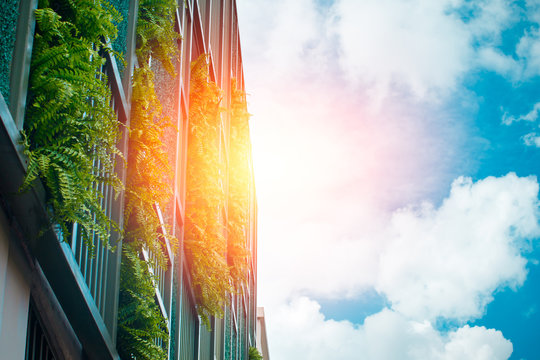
x=71, y=131
x=148, y=184
x=240, y=179
x=204, y=234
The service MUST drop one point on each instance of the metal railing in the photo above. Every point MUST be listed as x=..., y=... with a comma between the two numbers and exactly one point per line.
x=37, y=345
x=93, y=260
x=205, y=343
x=159, y=272
x=188, y=324
x=96, y=260
x=218, y=339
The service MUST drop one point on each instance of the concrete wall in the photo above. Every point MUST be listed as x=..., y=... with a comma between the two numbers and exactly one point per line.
x=14, y=296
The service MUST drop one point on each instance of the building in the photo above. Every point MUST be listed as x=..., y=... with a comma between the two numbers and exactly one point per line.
x=59, y=297
x=262, y=340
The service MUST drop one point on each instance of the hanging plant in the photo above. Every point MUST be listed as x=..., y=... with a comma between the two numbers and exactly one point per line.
x=217, y=247
x=149, y=171
x=70, y=131
x=204, y=234
x=148, y=183
x=254, y=354
x=140, y=321
x=240, y=180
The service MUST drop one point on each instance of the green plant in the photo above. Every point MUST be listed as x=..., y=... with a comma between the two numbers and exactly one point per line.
x=216, y=243
x=71, y=131
x=148, y=184
x=149, y=171
x=156, y=36
x=140, y=321
x=204, y=234
x=240, y=181
x=254, y=354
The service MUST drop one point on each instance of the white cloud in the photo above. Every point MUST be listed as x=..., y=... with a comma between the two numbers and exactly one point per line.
x=531, y=139
x=298, y=330
x=327, y=176
x=413, y=42
x=418, y=45
x=530, y=116
x=434, y=261
x=477, y=343
x=488, y=18
x=528, y=49
x=494, y=59
x=533, y=10
x=283, y=37
x=425, y=45
x=326, y=161
x=449, y=261
x=428, y=262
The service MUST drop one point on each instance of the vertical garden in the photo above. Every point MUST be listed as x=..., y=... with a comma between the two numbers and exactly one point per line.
x=71, y=135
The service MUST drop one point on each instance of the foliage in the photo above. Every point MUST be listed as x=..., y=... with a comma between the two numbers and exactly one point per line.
x=148, y=181
x=70, y=130
x=240, y=179
x=149, y=170
x=140, y=321
x=217, y=249
x=254, y=354
x=204, y=233
x=156, y=36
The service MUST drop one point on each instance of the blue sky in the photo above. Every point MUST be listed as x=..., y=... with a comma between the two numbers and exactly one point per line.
x=397, y=148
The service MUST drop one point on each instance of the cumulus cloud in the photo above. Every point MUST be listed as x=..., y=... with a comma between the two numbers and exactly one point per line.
x=426, y=45
x=327, y=160
x=302, y=332
x=448, y=261
x=477, y=343
x=411, y=42
x=430, y=262
x=421, y=47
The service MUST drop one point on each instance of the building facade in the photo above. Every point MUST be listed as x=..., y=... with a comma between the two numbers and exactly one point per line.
x=59, y=292
x=262, y=339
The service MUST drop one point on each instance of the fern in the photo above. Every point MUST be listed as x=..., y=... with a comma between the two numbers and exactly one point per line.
x=218, y=250
x=204, y=234
x=156, y=36
x=140, y=321
x=240, y=179
x=148, y=183
x=149, y=171
x=71, y=130
x=254, y=354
